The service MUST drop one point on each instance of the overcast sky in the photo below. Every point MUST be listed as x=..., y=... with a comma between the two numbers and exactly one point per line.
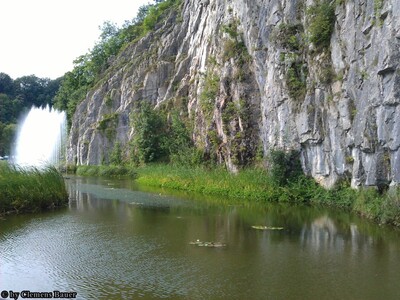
x=43, y=37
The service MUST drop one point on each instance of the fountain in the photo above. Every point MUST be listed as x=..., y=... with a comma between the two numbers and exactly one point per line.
x=41, y=137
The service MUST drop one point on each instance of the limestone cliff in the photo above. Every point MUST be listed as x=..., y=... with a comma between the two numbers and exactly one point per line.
x=247, y=73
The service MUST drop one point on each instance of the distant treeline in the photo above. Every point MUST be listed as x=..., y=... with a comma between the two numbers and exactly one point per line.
x=18, y=96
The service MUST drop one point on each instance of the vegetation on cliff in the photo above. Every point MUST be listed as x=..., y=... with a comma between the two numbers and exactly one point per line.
x=89, y=68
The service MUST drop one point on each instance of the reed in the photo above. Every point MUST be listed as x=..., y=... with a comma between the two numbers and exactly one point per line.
x=257, y=185
x=249, y=184
x=106, y=171
x=30, y=189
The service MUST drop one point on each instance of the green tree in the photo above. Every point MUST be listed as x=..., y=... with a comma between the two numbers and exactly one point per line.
x=179, y=145
x=285, y=166
x=36, y=91
x=149, y=140
x=7, y=136
x=7, y=85
x=116, y=155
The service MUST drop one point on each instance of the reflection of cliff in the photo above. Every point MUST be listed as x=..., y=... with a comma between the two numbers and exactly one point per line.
x=174, y=220
x=323, y=233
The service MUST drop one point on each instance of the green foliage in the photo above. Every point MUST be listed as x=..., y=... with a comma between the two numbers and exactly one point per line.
x=9, y=108
x=7, y=136
x=252, y=185
x=378, y=5
x=285, y=167
x=296, y=80
x=16, y=97
x=232, y=29
x=209, y=93
x=257, y=185
x=230, y=111
x=72, y=91
x=148, y=144
x=106, y=171
x=32, y=90
x=108, y=125
x=24, y=190
x=162, y=137
x=20, y=94
x=179, y=145
x=234, y=47
x=349, y=159
x=289, y=36
x=116, y=155
x=321, y=24
x=89, y=68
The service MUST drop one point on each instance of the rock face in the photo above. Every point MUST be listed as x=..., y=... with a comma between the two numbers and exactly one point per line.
x=246, y=74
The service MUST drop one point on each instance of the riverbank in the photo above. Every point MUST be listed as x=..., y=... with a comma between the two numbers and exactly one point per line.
x=30, y=190
x=258, y=185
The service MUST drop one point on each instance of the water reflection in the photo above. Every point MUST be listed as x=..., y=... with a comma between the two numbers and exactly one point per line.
x=314, y=228
x=116, y=241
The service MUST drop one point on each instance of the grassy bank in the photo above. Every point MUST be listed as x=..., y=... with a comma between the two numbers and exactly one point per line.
x=27, y=190
x=261, y=186
x=255, y=185
x=106, y=171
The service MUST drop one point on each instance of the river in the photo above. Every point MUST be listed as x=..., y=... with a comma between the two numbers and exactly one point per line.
x=116, y=240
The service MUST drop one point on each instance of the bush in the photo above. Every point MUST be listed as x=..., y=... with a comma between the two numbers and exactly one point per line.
x=116, y=155
x=289, y=36
x=296, y=80
x=322, y=20
x=148, y=144
x=285, y=167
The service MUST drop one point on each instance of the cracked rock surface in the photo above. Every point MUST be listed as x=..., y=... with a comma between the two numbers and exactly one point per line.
x=345, y=120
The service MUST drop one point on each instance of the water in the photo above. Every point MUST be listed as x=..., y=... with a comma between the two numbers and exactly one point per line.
x=118, y=241
x=40, y=138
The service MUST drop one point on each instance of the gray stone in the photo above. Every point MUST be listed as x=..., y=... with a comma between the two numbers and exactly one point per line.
x=347, y=126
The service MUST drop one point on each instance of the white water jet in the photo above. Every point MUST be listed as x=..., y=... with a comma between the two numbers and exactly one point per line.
x=41, y=138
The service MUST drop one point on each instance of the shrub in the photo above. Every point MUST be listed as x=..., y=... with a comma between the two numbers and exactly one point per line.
x=296, y=80
x=285, y=166
x=289, y=36
x=209, y=93
x=148, y=144
x=116, y=155
x=322, y=19
x=108, y=125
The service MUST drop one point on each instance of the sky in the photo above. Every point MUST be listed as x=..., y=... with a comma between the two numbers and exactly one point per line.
x=43, y=37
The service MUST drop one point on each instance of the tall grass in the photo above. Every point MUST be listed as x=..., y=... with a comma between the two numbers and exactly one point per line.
x=249, y=184
x=261, y=186
x=106, y=171
x=32, y=189
x=257, y=185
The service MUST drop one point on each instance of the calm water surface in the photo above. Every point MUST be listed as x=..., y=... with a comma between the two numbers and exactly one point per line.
x=118, y=241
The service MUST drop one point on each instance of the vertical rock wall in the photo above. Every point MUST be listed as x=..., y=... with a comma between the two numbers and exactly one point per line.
x=229, y=65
